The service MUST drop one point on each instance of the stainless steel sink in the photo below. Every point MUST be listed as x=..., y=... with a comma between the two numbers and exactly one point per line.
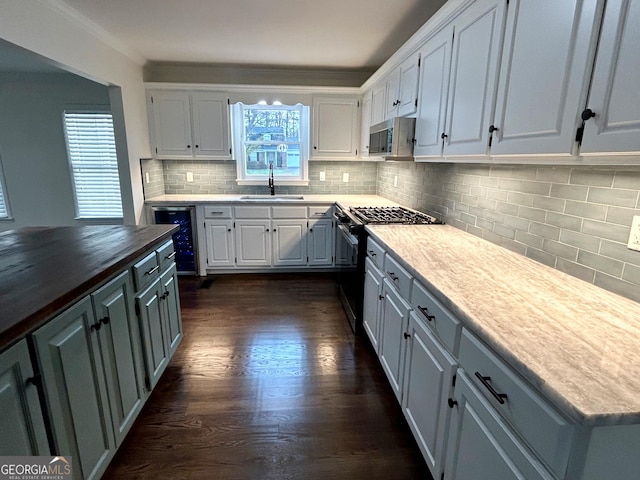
x=272, y=197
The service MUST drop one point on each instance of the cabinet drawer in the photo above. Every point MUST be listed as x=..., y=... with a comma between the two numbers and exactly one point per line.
x=398, y=276
x=438, y=318
x=375, y=252
x=257, y=211
x=539, y=424
x=320, y=211
x=217, y=211
x=289, y=212
x=166, y=255
x=146, y=271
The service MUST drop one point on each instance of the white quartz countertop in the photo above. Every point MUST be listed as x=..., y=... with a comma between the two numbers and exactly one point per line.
x=344, y=200
x=577, y=343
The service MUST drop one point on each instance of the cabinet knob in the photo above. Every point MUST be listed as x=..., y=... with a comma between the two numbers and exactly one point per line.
x=267, y=229
x=452, y=403
x=104, y=321
x=586, y=114
x=188, y=146
x=493, y=128
x=381, y=297
x=406, y=335
x=96, y=326
x=228, y=230
x=315, y=147
x=311, y=229
x=443, y=136
x=35, y=380
x=197, y=146
x=273, y=230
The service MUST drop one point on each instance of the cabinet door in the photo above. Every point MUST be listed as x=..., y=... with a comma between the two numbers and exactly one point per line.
x=253, y=242
x=154, y=332
x=472, y=85
x=378, y=106
x=393, y=326
x=171, y=130
x=171, y=308
x=21, y=421
x=392, y=94
x=614, y=89
x=121, y=352
x=75, y=391
x=427, y=384
x=320, y=244
x=365, y=124
x=210, y=114
x=335, y=127
x=543, y=77
x=220, y=251
x=290, y=242
x=434, y=85
x=371, y=310
x=481, y=446
x=408, y=89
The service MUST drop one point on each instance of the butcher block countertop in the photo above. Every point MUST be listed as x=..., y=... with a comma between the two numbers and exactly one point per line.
x=576, y=343
x=45, y=269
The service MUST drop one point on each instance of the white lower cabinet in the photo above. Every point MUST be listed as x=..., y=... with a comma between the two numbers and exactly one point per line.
x=220, y=244
x=393, y=330
x=289, y=242
x=481, y=445
x=253, y=243
x=21, y=421
x=320, y=243
x=371, y=307
x=428, y=383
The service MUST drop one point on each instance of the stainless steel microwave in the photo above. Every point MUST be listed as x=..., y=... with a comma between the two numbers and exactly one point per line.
x=393, y=139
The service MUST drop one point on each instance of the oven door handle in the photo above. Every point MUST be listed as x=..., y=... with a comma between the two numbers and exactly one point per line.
x=348, y=236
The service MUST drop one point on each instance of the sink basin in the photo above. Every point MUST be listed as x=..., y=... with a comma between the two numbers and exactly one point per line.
x=272, y=197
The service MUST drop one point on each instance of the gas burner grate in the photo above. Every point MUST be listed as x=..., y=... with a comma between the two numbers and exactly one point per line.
x=390, y=215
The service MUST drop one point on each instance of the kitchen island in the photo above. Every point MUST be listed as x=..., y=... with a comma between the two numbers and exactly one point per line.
x=90, y=320
x=544, y=364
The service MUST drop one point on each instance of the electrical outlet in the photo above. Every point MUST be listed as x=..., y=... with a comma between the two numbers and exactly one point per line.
x=634, y=236
x=146, y=177
x=395, y=181
x=189, y=176
x=345, y=177
x=323, y=176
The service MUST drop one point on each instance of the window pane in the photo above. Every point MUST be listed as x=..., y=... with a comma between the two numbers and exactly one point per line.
x=4, y=211
x=285, y=159
x=94, y=166
x=271, y=125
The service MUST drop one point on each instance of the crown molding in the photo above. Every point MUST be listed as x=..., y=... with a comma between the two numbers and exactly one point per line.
x=92, y=28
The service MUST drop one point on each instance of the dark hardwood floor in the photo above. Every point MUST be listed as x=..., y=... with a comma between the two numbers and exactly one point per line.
x=269, y=383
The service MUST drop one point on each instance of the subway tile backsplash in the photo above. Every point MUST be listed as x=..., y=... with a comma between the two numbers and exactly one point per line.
x=574, y=219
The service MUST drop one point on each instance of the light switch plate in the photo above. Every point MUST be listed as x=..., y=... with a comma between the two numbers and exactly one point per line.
x=189, y=176
x=146, y=177
x=395, y=181
x=634, y=236
x=345, y=177
x=323, y=176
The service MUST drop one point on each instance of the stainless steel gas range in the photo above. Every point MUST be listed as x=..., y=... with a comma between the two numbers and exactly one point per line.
x=351, y=246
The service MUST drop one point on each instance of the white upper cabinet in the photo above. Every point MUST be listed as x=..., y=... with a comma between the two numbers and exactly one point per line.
x=472, y=83
x=401, y=89
x=432, y=101
x=189, y=124
x=377, y=104
x=614, y=94
x=335, y=127
x=544, y=76
x=365, y=124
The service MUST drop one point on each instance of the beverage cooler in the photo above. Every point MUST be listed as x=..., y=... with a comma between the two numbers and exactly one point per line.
x=184, y=240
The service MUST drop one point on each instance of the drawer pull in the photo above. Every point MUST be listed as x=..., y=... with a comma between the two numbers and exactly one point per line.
x=215, y=213
x=500, y=397
x=153, y=270
x=425, y=312
x=170, y=256
x=372, y=253
x=393, y=276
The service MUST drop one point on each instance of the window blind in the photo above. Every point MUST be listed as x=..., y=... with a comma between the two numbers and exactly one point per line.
x=92, y=154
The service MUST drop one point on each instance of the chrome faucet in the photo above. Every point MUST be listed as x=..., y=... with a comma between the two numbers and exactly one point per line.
x=271, y=184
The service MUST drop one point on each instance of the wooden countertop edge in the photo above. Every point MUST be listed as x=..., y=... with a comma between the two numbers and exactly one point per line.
x=16, y=332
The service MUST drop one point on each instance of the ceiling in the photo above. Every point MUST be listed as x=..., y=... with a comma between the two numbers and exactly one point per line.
x=329, y=34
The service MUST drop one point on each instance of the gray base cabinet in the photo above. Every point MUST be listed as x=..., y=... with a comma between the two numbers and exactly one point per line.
x=21, y=420
x=73, y=378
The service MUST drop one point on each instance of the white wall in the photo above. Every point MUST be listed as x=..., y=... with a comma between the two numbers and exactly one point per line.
x=45, y=29
x=32, y=146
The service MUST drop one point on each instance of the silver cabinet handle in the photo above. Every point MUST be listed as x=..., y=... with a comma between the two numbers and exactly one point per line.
x=153, y=270
x=170, y=256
